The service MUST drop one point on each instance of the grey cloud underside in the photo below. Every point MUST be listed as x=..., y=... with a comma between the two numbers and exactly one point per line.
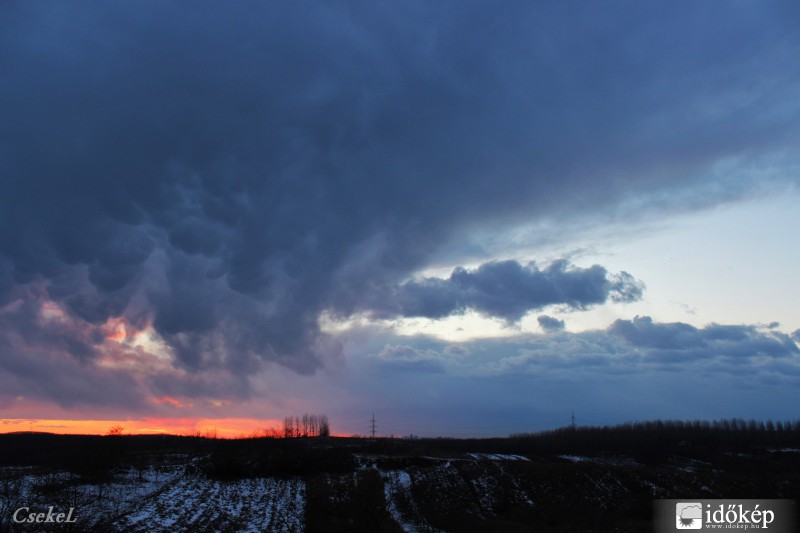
x=609, y=374
x=228, y=172
x=640, y=346
x=410, y=358
x=505, y=289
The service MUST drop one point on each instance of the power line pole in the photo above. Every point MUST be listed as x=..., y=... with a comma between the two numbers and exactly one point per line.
x=573, y=420
x=373, y=426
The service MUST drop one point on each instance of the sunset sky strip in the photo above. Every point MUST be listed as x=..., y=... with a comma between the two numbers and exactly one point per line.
x=217, y=428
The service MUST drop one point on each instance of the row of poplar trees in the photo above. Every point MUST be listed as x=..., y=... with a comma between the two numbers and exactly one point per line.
x=306, y=426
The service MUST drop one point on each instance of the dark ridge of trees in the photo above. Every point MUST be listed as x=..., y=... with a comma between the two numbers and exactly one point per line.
x=256, y=457
x=659, y=437
x=651, y=442
x=647, y=441
x=643, y=440
x=84, y=454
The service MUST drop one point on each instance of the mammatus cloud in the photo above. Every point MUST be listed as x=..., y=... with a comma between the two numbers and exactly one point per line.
x=507, y=290
x=50, y=354
x=223, y=176
x=549, y=323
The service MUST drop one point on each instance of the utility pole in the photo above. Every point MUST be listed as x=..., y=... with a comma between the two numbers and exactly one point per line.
x=573, y=420
x=373, y=426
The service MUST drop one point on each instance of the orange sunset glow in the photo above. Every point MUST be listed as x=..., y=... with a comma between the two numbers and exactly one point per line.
x=207, y=427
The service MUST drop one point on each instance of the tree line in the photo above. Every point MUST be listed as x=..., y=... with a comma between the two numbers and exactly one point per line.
x=306, y=426
x=662, y=436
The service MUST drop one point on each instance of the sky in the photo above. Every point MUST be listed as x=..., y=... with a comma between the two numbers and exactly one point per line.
x=468, y=218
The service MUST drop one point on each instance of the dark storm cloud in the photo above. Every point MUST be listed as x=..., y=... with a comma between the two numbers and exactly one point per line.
x=506, y=289
x=6, y=280
x=549, y=323
x=228, y=172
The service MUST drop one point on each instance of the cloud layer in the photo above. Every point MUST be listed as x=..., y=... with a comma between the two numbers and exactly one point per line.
x=639, y=347
x=222, y=176
x=633, y=369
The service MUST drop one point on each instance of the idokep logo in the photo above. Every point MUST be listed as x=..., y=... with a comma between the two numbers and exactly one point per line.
x=774, y=516
x=689, y=515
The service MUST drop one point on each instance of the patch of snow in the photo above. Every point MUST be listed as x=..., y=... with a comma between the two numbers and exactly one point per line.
x=497, y=457
x=397, y=484
x=263, y=504
x=574, y=458
x=653, y=488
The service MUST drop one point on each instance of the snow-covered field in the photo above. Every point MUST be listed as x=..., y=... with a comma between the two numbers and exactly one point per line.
x=261, y=504
x=160, y=500
x=177, y=497
x=410, y=493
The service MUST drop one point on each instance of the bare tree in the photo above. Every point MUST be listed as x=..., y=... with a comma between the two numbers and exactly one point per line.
x=324, y=426
x=306, y=426
x=288, y=427
x=313, y=423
